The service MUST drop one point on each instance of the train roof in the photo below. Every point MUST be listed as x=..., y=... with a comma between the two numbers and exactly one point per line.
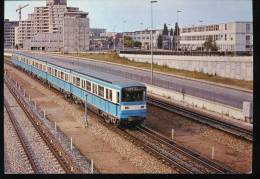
x=106, y=77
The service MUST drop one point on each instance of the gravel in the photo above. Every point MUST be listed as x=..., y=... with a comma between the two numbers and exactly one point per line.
x=43, y=157
x=15, y=159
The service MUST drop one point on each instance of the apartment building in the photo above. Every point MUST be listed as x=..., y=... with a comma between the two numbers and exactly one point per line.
x=232, y=36
x=76, y=32
x=48, y=19
x=9, y=31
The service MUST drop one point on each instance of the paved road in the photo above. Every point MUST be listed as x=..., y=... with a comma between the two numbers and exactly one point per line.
x=223, y=95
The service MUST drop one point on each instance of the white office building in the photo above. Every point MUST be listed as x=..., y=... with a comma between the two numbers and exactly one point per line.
x=144, y=37
x=229, y=37
x=232, y=36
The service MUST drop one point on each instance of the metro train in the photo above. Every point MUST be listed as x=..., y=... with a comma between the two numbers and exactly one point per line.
x=118, y=100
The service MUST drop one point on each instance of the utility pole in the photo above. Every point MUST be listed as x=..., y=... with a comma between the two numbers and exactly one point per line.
x=86, y=112
x=123, y=34
x=151, y=39
x=201, y=27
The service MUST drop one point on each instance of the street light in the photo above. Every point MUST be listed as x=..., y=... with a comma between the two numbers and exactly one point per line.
x=151, y=45
x=201, y=30
x=178, y=11
x=123, y=34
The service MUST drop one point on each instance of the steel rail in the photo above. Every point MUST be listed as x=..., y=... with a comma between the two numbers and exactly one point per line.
x=202, y=118
x=21, y=137
x=210, y=164
x=64, y=160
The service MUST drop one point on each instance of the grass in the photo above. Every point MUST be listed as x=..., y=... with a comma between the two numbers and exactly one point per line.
x=115, y=58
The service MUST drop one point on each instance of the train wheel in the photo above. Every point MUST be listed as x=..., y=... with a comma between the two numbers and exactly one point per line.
x=107, y=119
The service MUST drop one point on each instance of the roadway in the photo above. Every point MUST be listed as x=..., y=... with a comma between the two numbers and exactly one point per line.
x=224, y=95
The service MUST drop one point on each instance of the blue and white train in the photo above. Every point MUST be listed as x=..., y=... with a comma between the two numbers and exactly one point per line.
x=118, y=100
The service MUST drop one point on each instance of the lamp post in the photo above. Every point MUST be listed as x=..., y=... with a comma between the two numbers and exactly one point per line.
x=178, y=11
x=123, y=34
x=151, y=38
x=114, y=38
x=201, y=29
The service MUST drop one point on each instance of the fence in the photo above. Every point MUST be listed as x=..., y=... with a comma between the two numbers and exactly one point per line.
x=189, y=53
x=63, y=140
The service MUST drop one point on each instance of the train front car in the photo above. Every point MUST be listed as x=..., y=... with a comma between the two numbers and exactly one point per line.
x=133, y=105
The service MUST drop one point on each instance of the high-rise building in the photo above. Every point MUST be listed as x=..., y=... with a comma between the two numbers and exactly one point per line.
x=76, y=35
x=9, y=33
x=47, y=19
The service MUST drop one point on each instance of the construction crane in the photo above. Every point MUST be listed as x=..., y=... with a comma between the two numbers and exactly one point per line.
x=20, y=12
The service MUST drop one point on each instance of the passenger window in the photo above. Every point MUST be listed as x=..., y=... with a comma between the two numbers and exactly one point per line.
x=62, y=75
x=49, y=70
x=101, y=91
x=109, y=94
x=78, y=81
x=94, y=88
x=88, y=85
x=117, y=97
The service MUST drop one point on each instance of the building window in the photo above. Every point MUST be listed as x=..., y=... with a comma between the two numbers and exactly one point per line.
x=247, y=37
x=225, y=26
x=225, y=36
x=247, y=28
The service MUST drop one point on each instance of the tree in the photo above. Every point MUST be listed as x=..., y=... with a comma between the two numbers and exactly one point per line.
x=159, y=41
x=171, y=32
x=210, y=45
x=175, y=34
x=165, y=30
x=137, y=44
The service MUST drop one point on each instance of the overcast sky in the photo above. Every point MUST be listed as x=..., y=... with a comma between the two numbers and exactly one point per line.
x=110, y=14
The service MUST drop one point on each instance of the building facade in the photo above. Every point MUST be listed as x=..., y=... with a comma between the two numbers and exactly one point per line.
x=9, y=33
x=229, y=37
x=76, y=32
x=44, y=41
x=48, y=19
x=232, y=36
x=144, y=37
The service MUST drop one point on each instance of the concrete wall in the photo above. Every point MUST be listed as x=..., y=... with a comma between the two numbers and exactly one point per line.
x=230, y=67
x=198, y=103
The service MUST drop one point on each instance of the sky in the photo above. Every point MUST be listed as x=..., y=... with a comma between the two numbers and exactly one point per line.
x=111, y=14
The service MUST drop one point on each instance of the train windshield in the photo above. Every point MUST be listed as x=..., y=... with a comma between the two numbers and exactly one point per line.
x=132, y=94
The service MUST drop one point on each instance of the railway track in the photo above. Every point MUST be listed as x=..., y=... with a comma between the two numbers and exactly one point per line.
x=202, y=118
x=194, y=160
x=37, y=140
x=23, y=160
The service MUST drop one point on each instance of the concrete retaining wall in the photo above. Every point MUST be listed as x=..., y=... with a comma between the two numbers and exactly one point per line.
x=229, y=67
x=205, y=105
